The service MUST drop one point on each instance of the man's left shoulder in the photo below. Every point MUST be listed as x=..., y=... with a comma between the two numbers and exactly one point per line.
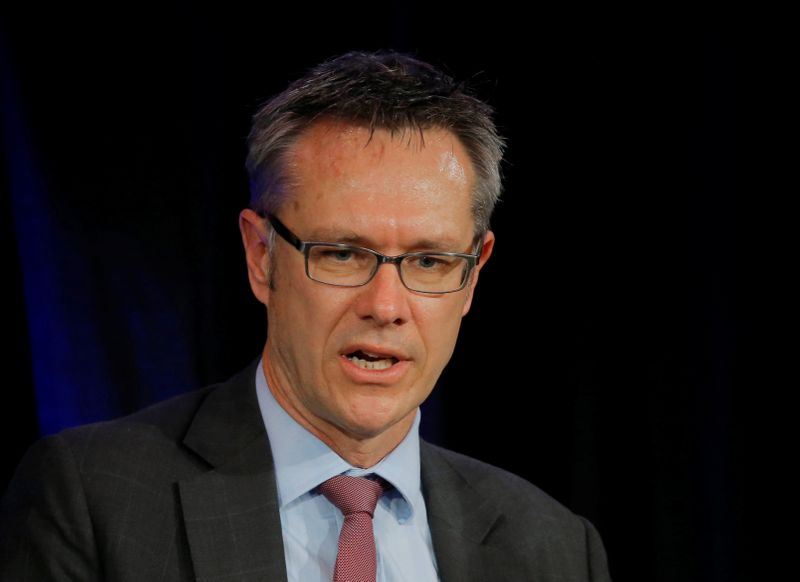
x=512, y=529
x=511, y=494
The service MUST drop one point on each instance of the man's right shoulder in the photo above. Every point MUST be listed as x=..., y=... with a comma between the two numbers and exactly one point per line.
x=145, y=447
x=87, y=494
x=160, y=426
x=126, y=449
x=167, y=421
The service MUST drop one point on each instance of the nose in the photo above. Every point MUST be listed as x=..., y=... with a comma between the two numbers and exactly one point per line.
x=385, y=299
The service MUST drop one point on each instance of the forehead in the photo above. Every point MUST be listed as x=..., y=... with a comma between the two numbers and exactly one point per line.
x=331, y=146
x=343, y=174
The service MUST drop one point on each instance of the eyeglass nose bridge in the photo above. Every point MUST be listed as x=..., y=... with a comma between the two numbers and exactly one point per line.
x=385, y=259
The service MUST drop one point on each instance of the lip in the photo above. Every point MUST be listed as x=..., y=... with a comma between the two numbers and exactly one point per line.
x=377, y=350
x=386, y=376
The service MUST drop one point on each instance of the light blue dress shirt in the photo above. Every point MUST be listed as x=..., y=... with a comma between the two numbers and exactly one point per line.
x=311, y=523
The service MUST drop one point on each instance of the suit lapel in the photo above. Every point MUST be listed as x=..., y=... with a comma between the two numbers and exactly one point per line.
x=460, y=520
x=231, y=511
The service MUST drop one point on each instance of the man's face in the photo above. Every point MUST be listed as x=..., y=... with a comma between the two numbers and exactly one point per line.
x=393, y=195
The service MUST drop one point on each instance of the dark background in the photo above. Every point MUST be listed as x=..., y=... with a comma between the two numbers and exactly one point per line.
x=599, y=358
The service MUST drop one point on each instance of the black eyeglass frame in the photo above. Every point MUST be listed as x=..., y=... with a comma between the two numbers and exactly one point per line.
x=305, y=247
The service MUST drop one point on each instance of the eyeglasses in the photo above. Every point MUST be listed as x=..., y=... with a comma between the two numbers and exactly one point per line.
x=345, y=265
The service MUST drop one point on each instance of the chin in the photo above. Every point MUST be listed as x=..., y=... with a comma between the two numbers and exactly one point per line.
x=372, y=424
x=367, y=428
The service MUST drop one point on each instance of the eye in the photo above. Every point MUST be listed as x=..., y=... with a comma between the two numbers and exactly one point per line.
x=428, y=262
x=337, y=255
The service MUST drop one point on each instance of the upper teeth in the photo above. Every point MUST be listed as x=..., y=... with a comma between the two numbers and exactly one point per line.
x=376, y=365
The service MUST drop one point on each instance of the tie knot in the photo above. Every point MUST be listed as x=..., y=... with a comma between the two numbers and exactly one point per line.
x=352, y=494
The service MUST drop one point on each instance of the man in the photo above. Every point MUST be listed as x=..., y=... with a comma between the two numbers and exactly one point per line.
x=372, y=179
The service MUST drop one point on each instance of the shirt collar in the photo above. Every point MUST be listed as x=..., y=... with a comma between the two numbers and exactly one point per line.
x=302, y=461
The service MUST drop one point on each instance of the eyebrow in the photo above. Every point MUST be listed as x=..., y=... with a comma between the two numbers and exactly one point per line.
x=352, y=238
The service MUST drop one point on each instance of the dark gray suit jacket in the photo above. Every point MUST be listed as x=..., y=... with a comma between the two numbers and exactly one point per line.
x=185, y=490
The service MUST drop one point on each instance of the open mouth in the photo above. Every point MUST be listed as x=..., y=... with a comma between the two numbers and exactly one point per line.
x=369, y=361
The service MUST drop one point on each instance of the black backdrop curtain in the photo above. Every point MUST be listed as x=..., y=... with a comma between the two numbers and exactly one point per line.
x=598, y=359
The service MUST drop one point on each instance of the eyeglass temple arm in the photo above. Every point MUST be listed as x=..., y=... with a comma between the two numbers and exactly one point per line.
x=479, y=250
x=285, y=233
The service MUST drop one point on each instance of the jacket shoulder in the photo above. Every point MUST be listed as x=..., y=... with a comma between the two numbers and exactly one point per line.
x=520, y=530
x=507, y=489
x=164, y=424
x=97, y=496
x=167, y=420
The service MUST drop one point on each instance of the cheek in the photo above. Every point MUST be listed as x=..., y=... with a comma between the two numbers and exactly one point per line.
x=316, y=312
x=441, y=330
x=294, y=313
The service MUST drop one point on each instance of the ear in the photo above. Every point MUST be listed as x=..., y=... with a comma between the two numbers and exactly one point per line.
x=254, y=239
x=486, y=252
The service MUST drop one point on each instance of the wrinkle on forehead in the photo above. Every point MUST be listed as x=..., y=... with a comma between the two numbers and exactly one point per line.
x=328, y=145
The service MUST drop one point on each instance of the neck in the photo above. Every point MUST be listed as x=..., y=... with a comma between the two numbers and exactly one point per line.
x=359, y=450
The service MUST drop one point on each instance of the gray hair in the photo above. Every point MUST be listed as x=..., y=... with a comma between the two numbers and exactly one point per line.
x=384, y=90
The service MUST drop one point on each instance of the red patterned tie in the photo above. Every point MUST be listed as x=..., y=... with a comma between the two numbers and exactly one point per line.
x=356, y=497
